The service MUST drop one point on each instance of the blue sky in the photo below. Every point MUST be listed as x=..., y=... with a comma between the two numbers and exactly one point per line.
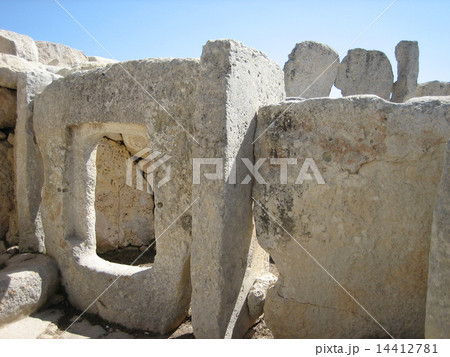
x=140, y=29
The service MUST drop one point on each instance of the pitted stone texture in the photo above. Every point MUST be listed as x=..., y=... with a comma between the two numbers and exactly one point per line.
x=23, y=46
x=25, y=285
x=234, y=82
x=101, y=59
x=11, y=66
x=56, y=54
x=433, y=89
x=369, y=225
x=124, y=215
x=65, y=71
x=28, y=162
x=365, y=72
x=310, y=70
x=70, y=117
x=134, y=143
x=407, y=55
x=257, y=295
x=8, y=108
x=6, y=187
x=437, y=321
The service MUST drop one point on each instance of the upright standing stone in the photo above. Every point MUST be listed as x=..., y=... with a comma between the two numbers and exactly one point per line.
x=365, y=72
x=28, y=162
x=407, y=55
x=311, y=70
x=437, y=321
x=234, y=82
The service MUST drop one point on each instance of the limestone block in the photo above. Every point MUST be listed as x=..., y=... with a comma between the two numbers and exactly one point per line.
x=407, y=55
x=56, y=54
x=6, y=187
x=369, y=225
x=234, y=82
x=8, y=104
x=11, y=66
x=28, y=162
x=258, y=292
x=65, y=71
x=310, y=70
x=16, y=44
x=101, y=59
x=433, y=88
x=365, y=72
x=124, y=214
x=26, y=285
x=437, y=321
x=71, y=116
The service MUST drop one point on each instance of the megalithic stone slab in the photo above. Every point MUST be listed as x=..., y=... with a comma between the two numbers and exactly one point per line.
x=71, y=116
x=437, y=321
x=16, y=44
x=234, y=82
x=365, y=72
x=311, y=70
x=433, y=88
x=407, y=55
x=369, y=225
x=28, y=162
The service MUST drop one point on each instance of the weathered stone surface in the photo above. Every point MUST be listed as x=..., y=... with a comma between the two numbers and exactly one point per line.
x=310, y=70
x=65, y=71
x=25, y=285
x=437, y=321
x=6, y=187
x=56, y=54
x=124, y=215
x=12, y=66
x=134, y=143
x=407, y=55
x=70, y=117
x=28, y=162
x=257, y=295
x=432, y=89
x=101, y=59
x=365, y=72
x=8, y=104
x=234, y=82
x=369, y=225
x=23, y=46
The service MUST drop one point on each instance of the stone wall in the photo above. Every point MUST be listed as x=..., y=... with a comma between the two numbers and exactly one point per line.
x=352, y=253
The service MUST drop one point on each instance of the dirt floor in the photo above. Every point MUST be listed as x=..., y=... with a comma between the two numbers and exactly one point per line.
x=58, y=319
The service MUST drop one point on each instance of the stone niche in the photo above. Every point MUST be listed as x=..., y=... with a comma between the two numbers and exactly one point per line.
x=71, y=119
x=369, y=225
